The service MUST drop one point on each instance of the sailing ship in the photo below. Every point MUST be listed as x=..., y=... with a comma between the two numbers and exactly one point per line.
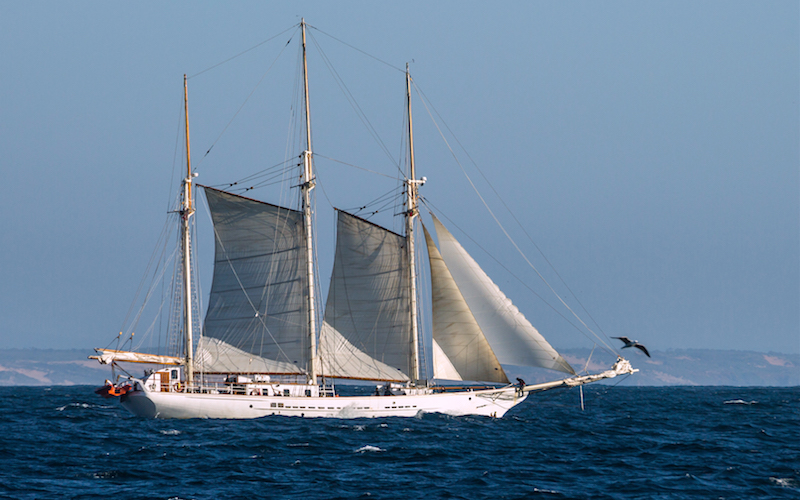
x=261, y=352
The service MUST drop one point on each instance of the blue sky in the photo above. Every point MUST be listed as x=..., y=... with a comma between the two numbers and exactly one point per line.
x=649, y=148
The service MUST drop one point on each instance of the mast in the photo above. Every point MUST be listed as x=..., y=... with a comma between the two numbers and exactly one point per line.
x=411, y=191
x=306, y=187
x=186, y=212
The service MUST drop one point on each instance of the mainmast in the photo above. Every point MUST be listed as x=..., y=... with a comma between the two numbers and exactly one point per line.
x=187, y=210
x=306, y=187
x=411, y=191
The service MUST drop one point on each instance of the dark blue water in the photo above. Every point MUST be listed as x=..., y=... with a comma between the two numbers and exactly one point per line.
x=65, y=442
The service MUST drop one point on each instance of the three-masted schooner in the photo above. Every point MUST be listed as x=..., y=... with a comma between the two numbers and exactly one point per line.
x=261, y=352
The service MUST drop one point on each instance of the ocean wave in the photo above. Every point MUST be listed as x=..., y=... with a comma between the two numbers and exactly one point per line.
x=369, y=448
x=784, y=482
x=739, y=402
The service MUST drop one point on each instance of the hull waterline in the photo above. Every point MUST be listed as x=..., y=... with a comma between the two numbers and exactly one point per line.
x=490, y=403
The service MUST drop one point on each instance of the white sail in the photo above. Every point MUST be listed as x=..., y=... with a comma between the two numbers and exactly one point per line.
x=455, y=331
x=216, y=356
x=368, y=302
x=108, y=356
x=443, y=368
x=257, y=301
x=513, y=339
x=341, y=359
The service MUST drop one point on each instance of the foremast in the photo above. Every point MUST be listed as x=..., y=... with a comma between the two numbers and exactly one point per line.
x=306, y=187
x=411, y=213
x=187, y=210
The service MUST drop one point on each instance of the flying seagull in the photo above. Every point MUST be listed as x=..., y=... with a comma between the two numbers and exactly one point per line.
x=633, y=343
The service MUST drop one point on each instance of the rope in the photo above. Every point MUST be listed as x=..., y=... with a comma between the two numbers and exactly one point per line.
x=508, y=209
x=243, y=104
x=247, y=50
x=357, y=49
x=502, y=228
x=354, y=104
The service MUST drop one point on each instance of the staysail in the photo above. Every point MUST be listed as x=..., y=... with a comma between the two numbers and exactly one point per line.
x=257, y=319
x=366, y=329
x=465, y=353
x=513, y=339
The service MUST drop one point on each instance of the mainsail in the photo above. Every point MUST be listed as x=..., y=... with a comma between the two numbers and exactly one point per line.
x=366, y=330
x=257, y=315
x=513, y=339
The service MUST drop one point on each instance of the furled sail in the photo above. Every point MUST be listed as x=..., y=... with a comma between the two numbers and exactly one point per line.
x=366, y=332
x=455, y=332
x=512, y=338
x=257, y=319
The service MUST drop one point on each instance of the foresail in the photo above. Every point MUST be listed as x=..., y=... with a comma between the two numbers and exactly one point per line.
x=443, y=368
x=368, y=303
x=513, y=339
x=456, y=334
x=256, y=307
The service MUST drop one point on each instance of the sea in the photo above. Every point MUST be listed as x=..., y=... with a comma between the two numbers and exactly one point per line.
x=627, y=442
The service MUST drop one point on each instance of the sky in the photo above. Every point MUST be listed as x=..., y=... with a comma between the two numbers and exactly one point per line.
x=649, y=149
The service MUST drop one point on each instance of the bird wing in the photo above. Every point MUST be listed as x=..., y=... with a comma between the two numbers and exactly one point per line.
x=624, y=339
x=642, y=348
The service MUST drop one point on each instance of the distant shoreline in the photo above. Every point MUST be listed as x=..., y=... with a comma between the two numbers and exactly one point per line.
x=36, y=367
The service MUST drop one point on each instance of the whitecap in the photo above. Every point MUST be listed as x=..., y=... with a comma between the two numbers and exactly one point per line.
x=739, y=402
x=359, y=427
x=367, y=448
x=74, y=405
x=170, y=432
x=384, y=425
x=783, y=482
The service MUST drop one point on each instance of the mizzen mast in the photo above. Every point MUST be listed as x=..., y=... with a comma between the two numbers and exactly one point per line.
x=187, y=210
x=306, y=187
x=411, y=213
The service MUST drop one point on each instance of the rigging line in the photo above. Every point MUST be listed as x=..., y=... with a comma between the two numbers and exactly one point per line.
x=502, y=228
x=248, y=50
x=263, y=177
x=175, y=154
x=259, y=185
x=380, y=209
x=155, y=260
x=353, y=103
x=380, y=199
x=324, y=193
x=156, y=279
x=357, y=49
x=390, y=196
x=530, y=238
x=360, y=168
x=263, y=172
x=243, y=104
x=576, y=327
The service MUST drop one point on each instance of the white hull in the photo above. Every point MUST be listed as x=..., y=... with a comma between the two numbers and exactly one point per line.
x=490, y=403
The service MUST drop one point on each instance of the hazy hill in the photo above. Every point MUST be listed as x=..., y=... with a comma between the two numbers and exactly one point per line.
x=673, y=367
